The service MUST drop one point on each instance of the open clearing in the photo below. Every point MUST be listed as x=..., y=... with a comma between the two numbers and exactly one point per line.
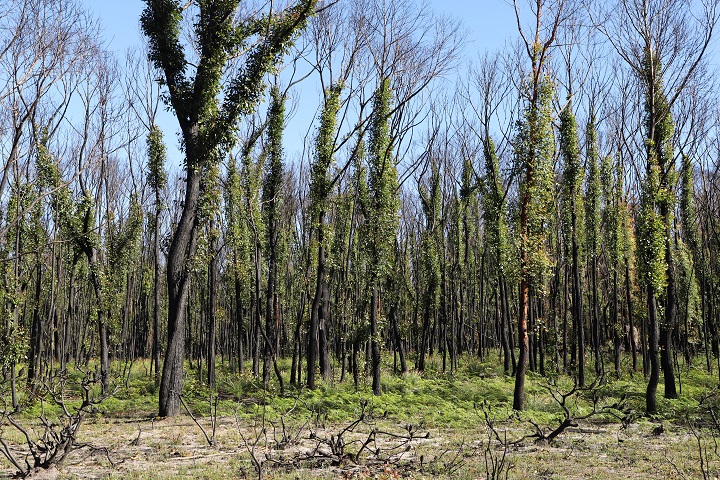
x=176, y=448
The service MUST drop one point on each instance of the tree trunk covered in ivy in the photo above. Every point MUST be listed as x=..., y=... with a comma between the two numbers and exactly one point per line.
x=381, y=210
x=157, y=178
x=592, y=231
x=534, y=151
x=534, y=148
x=272, y=200
x=654, y=231
x=320, y=190
x=572, y=180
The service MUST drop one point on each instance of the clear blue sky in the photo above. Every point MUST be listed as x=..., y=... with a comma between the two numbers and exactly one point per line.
x=489, y=23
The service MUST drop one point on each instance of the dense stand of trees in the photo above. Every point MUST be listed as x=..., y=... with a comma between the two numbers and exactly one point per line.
x=553, y=207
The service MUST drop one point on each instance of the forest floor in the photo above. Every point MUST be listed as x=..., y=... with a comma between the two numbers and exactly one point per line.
x=434, y=426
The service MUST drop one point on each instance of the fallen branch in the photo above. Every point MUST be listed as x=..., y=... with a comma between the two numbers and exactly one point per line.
x=570, y=419
x=210, y=439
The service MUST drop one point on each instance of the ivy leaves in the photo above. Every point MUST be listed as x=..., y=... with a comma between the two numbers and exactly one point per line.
x=534, y=150
x=383, y=203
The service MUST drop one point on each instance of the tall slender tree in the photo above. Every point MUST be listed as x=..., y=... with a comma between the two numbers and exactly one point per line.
x=534, y=148
x=592, y=231
x=657, y=206
x=382, y=217
x=572, y=206
x=430, y=252
x=320, y=190
x=272, y=203
x=157, y=178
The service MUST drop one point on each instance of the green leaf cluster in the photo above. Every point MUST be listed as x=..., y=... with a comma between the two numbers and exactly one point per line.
x=592, y=193
x=534, y=152
x=76, y=217
x=658, y=198
x=651, y=232
x=14, y=345
x=614, y=215
x=273, y=175
x=320, y=183
x=383, y=202
x=157, y=155
x=494, y=210
x=572, y=176
x=431, y=241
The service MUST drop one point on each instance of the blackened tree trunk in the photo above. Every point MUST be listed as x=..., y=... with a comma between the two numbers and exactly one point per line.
x=523, y=300
x=313, y=330
x=374, y=341
x=503, y=317
x=239, y=324
x=397, y=338
x=616, y=327
x=577, y=316
x=668, y=327
x=36, y=331
x=212, y=302
x=653, y=380
x=324, y=326
x=295, y=369
x=577, y=305
x=596, y=327
x=631, y=323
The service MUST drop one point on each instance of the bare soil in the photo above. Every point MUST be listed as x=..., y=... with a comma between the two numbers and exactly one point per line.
x=147, y=447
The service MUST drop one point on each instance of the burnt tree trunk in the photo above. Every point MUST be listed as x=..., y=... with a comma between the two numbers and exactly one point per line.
x=182, y=248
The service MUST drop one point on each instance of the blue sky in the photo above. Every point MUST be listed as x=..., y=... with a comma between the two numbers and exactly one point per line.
x=489, y=22
x=490, y=25
x=119, y=21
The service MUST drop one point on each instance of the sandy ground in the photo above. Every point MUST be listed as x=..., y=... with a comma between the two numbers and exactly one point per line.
x=177, y=448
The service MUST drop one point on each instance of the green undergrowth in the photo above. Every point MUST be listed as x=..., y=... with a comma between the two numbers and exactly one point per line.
x=437, y=399
x=432, y=399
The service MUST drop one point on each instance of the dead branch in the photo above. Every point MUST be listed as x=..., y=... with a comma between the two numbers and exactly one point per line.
x=570, y=418
x=59, y=436
x=210, y=439
x=497, y=466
